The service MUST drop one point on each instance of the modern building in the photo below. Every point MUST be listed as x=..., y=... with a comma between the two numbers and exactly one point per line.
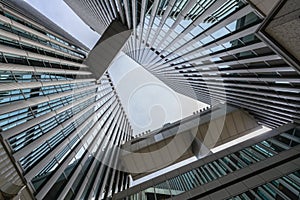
x=244, y=53
x=63, y=129
x=264, y=167
x=214, y=50
x=58, y=124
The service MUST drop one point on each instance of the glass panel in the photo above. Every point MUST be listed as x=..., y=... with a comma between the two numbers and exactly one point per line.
x=56, y=188
x=162, y=191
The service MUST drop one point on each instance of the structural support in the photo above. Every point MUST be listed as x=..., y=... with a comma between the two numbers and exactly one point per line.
x=107, y=48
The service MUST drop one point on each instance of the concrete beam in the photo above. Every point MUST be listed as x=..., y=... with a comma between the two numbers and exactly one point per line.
x=192, y=136
x=106, y=49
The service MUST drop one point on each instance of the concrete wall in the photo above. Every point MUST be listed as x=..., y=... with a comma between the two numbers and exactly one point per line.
x=284, y=28
x=192, y=137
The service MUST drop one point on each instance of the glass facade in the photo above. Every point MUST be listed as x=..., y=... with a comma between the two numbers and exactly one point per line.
x=208, y=50
x=221, y=167
x=286, y=187
x=37, y=35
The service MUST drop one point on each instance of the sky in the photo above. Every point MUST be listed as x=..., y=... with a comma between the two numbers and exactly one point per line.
x=148, y=102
